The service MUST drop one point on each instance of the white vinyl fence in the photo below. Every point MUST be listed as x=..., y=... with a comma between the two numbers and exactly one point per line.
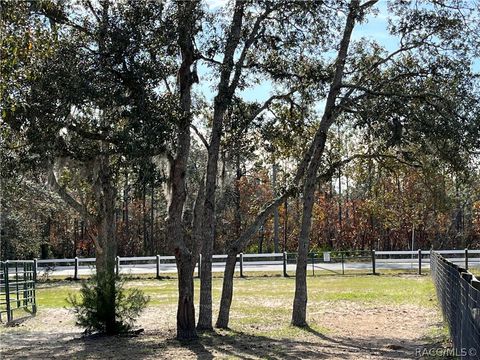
x=335, y=262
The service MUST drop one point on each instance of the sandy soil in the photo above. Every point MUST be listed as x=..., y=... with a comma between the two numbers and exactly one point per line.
x=352, y=331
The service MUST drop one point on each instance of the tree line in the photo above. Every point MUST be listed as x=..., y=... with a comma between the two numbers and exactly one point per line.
x=357, y=145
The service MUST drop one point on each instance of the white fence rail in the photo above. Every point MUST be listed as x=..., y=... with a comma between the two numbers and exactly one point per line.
x=330, y=261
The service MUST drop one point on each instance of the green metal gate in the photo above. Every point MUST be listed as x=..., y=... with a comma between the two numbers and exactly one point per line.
x=17, y=287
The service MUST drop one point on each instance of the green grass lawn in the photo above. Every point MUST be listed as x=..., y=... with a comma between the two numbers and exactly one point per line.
x=271, y=313
x=346, y=314
x=384, y=289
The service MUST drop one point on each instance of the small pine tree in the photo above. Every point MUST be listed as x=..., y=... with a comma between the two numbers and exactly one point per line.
x=90, y=313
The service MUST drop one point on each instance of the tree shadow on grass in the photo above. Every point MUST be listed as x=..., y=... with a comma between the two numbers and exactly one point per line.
x=307, y=344
x=320, y=346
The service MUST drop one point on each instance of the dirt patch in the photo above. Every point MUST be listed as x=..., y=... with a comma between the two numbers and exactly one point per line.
x=352, y=331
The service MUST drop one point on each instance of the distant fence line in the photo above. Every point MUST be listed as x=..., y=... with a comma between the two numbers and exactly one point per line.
x=334, y=261
x=458, y=293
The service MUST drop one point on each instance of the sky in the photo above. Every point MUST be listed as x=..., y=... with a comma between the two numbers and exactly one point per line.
x=376, y=27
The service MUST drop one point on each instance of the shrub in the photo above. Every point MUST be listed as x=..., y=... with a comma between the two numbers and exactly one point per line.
x=92, y=312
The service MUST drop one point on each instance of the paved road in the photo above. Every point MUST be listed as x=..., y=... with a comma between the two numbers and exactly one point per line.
x=249, y=266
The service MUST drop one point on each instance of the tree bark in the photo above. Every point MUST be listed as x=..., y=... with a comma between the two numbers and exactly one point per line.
x=125, y=213
x=242, y=241
x=153, y=246
x=299, y=311
x=186, y=308
x=227, y=292
x=300, y=300
x=235, y=248
x=276, y=221
x=184, y=255
x=221, y=103
x=285, y=226
x=144, y=219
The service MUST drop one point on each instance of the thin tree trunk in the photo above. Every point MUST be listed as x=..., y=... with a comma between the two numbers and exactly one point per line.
x=126, y=216
x=285, y=226
x=242, y=241
x=275, y=212
x=227, y=292
x=235, y=248
x=144, y=217
x=299, y=311
x=75, y=237
x=237, y=214
x=260, y=240
x=153, y=246
x=221, y=103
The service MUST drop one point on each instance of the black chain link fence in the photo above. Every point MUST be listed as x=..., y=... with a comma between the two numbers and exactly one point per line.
x=458, y=293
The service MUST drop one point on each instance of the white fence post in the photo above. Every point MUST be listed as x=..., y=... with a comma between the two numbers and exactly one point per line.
x=71, y=266
x=117, y=267
x=158, y=266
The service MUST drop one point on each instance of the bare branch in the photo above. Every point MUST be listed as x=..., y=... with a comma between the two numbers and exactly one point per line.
x=239, y=244
x=392, y=94
x=200, y=135
x=62, y=192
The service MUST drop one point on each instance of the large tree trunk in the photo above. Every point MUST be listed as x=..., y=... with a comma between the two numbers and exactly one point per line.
x=183, y=255
x=227, y=292
x=176, y=227
x=106, y=246
x=186, y=309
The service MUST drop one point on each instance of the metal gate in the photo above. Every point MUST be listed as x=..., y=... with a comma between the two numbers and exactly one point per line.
x=17, y=287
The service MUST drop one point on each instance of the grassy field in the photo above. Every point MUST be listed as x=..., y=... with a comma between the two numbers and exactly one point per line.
x=385, y=289
x=366, y=316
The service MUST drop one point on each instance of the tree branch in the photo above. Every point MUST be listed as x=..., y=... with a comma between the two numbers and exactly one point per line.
x=391, y=94
x=64, y=195
x=199, y=134
x=240, y=243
